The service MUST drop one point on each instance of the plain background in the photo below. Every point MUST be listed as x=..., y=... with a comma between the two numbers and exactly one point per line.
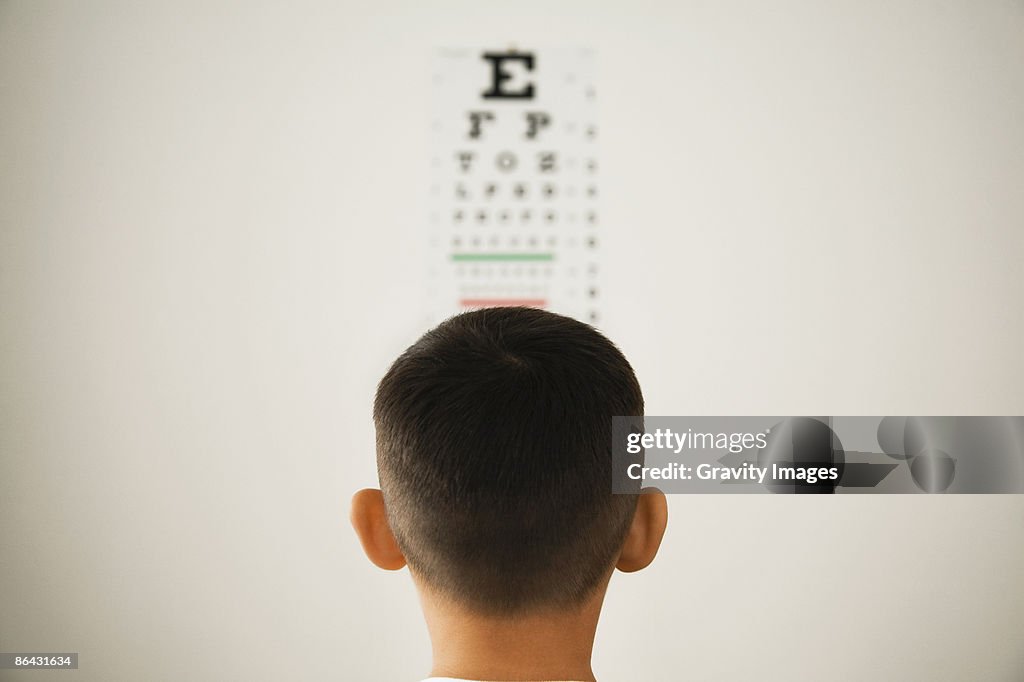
x=211, y=234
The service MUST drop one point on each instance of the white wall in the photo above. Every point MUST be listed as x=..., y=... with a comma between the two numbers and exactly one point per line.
x=208, y=214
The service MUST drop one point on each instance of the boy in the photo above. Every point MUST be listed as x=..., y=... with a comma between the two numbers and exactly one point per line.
x=494, y=457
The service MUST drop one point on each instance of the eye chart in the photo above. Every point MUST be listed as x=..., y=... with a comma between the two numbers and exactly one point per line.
x=514, y=187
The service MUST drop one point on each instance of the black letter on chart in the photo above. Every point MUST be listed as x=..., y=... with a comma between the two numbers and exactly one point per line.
x=535, y=120
x=546, y=162
x=465, y=159
x=476, y=118
x=499, y=75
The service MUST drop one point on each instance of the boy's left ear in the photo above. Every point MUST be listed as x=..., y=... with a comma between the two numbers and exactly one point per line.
x=371, y=525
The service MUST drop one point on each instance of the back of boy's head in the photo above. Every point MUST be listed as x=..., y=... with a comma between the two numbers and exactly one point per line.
x=494, y=451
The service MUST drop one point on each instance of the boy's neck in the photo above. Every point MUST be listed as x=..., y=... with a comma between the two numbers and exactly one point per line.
x=555, y=645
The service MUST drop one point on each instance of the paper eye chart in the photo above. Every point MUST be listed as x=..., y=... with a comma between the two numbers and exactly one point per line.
x=514, y=182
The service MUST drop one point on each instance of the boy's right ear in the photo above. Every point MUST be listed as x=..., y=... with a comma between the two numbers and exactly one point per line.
x=645, y=533
x=371, y=525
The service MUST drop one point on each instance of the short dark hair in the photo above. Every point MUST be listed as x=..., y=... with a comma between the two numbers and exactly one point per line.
x=494, y=451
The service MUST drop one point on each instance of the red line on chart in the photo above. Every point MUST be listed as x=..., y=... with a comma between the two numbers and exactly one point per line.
x=495, y=302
